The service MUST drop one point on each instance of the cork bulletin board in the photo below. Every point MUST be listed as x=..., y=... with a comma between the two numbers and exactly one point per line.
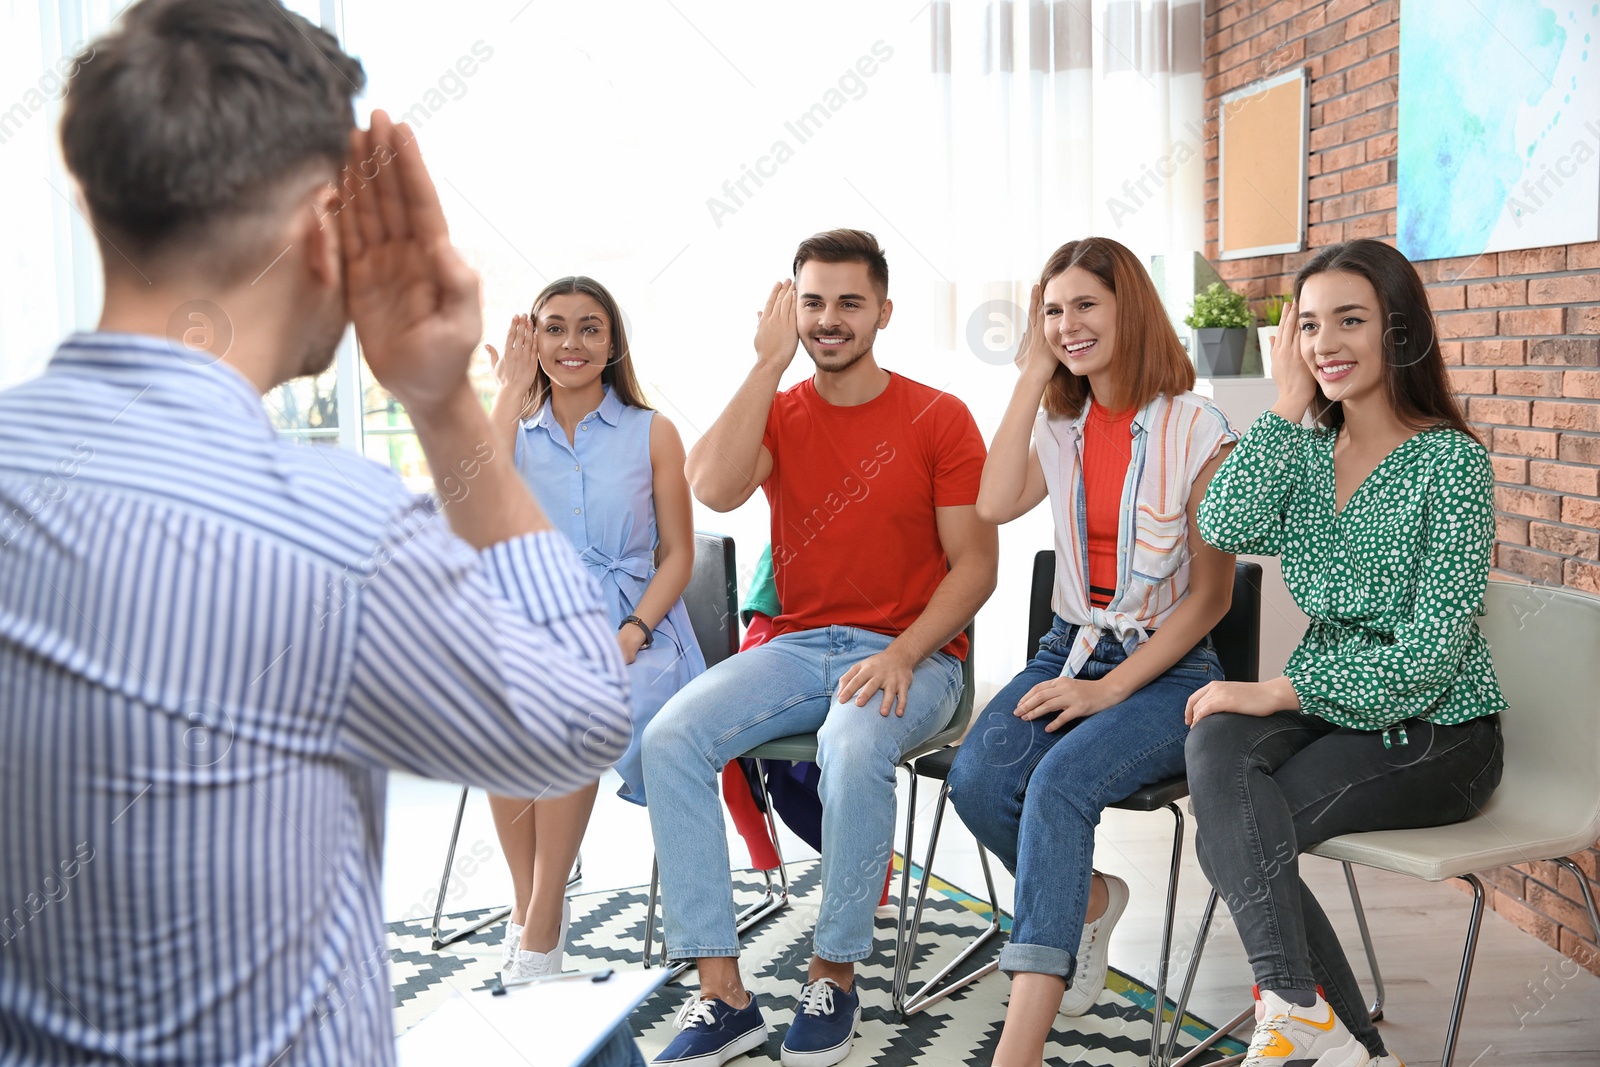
x=1263, y=148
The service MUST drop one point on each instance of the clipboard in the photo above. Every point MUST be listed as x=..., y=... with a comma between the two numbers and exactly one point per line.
x=553, y=1022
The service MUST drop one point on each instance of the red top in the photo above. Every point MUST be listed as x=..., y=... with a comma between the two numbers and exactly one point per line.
x=1107, y=450
x=853, y=492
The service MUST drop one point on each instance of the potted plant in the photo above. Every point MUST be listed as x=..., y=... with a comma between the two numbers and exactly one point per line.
x=1271, y=315
x=1219, y=320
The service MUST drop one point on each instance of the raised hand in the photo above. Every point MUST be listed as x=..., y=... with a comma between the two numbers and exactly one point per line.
x=1297, y=386
x=1035, y=355
x=412, y=298
x=777, y=336
x=514, y=372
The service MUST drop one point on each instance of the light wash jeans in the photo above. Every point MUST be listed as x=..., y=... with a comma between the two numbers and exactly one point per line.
x=1034, y=798
x=785, y=687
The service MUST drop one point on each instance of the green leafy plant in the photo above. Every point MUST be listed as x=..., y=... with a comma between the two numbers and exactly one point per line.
x=1272, y=309
x=1219, y=306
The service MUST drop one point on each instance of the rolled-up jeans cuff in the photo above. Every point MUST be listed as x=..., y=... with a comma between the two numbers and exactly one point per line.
x=678, y=954
x=1036, y=959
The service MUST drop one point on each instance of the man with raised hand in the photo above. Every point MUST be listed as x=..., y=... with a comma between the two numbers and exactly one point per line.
x=881, y=561
x=214, y=644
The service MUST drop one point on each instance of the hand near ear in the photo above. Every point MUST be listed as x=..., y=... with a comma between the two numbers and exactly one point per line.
x=413, y=300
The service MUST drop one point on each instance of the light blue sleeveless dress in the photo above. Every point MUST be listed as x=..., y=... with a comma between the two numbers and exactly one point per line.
x=599, y=491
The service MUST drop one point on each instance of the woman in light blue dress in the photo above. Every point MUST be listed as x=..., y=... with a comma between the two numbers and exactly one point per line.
x=608, y=471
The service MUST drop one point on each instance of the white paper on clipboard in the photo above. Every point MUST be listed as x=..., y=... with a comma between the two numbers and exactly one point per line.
x=543, y=1024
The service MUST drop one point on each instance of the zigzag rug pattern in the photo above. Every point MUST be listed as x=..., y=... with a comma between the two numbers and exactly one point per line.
x=608, y=931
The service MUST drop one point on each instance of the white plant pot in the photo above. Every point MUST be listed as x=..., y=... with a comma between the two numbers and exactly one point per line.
x=1265, y=334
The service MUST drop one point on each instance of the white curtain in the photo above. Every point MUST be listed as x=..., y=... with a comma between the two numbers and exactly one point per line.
x=1064, y=119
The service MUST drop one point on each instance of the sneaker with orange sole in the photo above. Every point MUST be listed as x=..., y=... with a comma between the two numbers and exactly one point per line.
x=1288, y=1035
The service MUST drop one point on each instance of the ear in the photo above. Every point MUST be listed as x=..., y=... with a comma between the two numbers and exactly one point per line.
x=319, y=235
x=885, y=312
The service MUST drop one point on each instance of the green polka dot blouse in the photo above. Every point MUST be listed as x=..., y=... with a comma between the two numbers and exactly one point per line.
x=1391, y=583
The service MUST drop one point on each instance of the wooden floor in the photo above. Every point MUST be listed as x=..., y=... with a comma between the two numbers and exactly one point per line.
x=1527, y=1004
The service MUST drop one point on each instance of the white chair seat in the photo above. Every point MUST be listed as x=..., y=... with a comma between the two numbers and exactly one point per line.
x=1437, y=853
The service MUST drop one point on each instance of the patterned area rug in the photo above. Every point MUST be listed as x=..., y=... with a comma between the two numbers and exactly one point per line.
x=608, y=931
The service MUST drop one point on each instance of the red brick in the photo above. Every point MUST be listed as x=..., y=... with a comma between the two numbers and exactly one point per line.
x=1328, y=233
x=1325, y=89
x=1580, y=951
x=1527, y=382
x=1366, y=176
x=1539, y=444
x=1450, y=351
x=1371, y=227
x=1465, y=267
x=1565, y=541
x=1341, y=158
x=1383, y=146
x=1375, y=17
x=1576, y=448
x=1498, y=410
x=1511, y=469
x=1530, y=564
x=1535, y=321
x=1581, y=383
x=1480, y=382
x=1325, y=185
x=1467, y=324
x=1583, y=481
x=1380, y=199
x=1583, y=257
x=1582, y=576
x=1566, y=416
x=1510, y=530
x=1493, y=353
x=1565, y=352
x=1534, y=260
x=1578, y=512
x=1568, y=289
x=1583, y=320
x=1384, y=40
x=1526, y=502
x=1497, y=294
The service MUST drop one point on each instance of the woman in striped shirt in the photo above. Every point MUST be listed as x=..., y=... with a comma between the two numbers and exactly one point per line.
x=1123, y=450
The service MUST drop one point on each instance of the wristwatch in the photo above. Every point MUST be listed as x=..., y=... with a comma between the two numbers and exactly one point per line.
x=649, y=634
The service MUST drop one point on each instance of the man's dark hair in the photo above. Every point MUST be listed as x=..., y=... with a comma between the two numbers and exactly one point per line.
x=846, y=246
x=193, y=113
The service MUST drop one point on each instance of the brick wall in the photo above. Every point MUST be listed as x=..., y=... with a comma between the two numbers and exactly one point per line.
x=1520, y=331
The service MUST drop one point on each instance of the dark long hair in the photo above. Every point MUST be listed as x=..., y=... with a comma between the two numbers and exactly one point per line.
x=1413, y=367
x=1147, y=359
x=618, y=372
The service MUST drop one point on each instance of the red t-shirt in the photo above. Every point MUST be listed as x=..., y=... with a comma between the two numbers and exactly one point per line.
x=1107, y=451
x=853, y=492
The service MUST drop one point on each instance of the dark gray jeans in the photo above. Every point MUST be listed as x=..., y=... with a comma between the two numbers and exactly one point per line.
x=1266, y=789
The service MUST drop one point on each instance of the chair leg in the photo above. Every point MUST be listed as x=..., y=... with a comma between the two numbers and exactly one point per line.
x=1376, y=1009
x=441, y=940
x=1466, y=970
x=1159, y=1010
x=650, y=913
x=777, y=897
x=906, y=950
x=1171, y=1043
x=1588, y=894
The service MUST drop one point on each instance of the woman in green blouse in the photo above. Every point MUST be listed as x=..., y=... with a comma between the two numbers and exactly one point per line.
x=1386, y=715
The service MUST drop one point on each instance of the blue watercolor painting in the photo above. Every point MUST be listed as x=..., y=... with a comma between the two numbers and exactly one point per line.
x=1499, y=138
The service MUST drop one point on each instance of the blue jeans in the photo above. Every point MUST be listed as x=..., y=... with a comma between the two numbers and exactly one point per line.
x=1034, y=798
x=785, y=687
x=618, y=1051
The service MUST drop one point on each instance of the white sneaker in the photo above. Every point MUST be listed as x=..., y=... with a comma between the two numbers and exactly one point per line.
x=1306, y=1037
x=513, y=941
x=1093, y=955
x=1388, y=1059
x=527, y=965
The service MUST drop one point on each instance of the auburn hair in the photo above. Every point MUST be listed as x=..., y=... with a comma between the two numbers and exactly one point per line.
x=1147, y=359
x=618, y=372
x=1414, y=378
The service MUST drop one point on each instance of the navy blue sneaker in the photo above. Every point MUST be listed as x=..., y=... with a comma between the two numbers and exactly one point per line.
x=711, y=1033
x=824, y=1025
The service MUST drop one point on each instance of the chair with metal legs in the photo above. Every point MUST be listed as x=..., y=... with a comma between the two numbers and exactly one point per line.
x=712, y=598
x=1547, y=806
x=1237, y=639
x=802, y=748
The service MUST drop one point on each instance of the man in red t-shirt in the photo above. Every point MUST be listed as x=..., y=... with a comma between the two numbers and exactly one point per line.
x=880, y=561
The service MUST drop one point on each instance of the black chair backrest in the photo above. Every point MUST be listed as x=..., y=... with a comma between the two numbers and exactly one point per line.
x=1237, y=637
x=713, y=597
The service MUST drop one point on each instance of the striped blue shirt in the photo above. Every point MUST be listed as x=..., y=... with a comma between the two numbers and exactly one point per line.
x=213, y=646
